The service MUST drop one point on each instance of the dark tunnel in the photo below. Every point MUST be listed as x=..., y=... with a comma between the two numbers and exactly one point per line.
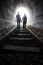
x=7, y=9
x=21, y=43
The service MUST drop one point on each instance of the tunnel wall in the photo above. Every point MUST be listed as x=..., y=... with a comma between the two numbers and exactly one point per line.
x=7, y=9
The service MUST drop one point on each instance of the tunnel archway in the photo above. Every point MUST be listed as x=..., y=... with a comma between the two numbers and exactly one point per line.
x=23, y=10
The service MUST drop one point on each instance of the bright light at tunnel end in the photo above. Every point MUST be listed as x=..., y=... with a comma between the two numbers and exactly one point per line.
x=22, y=11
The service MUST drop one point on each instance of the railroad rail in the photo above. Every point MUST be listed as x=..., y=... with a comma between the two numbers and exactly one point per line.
x=20, y=47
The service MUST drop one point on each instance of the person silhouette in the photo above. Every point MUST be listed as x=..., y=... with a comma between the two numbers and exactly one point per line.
x=18, y=20
x=24, y=21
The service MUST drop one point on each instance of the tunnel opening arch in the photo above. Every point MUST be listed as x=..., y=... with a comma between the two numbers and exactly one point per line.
x=23, y=9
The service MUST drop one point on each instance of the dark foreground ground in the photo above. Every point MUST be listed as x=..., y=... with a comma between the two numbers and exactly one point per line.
x=17, y=57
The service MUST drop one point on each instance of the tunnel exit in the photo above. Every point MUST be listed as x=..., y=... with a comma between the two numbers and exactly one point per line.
x=23, y=10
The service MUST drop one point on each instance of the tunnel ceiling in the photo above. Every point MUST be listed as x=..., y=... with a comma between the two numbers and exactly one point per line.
x=6, y=5
x=7, y=8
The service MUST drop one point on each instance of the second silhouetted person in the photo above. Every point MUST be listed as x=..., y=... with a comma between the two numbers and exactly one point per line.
x=24, y=21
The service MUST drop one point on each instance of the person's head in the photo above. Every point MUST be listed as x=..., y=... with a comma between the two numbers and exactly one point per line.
x=24, y=14
x=18, y=12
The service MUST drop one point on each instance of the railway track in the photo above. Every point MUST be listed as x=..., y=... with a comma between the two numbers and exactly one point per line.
x=20, y=47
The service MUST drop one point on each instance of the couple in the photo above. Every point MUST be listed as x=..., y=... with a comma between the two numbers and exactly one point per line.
x=19, y=20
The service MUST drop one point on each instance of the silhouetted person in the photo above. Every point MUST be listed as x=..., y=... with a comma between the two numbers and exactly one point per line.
x=18, y=20
x=24, y=21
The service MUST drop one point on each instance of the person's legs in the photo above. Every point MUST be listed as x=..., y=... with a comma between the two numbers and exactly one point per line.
x=25, y=25
x=19, y=25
